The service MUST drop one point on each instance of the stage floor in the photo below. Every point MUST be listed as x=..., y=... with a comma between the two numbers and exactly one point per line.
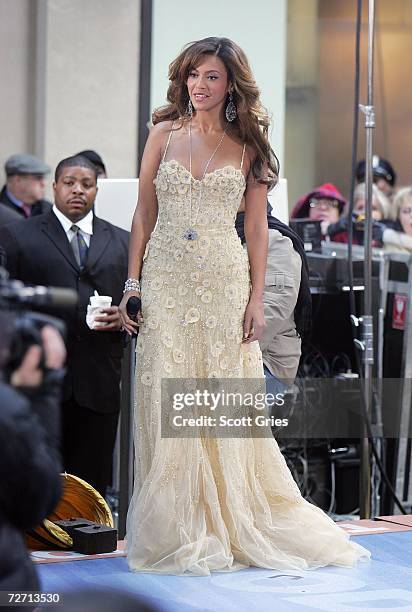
x=384, y=583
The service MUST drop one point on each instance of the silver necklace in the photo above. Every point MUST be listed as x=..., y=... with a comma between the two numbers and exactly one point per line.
x=191, y=234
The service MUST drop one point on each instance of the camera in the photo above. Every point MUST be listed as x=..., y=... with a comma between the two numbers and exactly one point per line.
x=20, y=326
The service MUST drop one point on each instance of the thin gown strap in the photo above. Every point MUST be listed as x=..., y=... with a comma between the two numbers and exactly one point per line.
x=168, y=142
x=243, y=156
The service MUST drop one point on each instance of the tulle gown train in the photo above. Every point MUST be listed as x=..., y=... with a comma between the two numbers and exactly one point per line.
x=202, y=504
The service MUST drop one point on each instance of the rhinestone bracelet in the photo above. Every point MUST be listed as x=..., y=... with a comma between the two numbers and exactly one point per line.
x=132, y=284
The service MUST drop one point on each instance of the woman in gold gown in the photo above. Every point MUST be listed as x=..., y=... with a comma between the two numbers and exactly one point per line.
x=201, y=504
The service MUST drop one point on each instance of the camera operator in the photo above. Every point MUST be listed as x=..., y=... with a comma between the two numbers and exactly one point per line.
x=30, y=463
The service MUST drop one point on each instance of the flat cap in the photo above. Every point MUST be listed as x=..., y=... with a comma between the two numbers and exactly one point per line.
x=23, y=163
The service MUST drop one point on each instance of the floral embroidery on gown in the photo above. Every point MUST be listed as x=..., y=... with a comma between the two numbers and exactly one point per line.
x=209, y=504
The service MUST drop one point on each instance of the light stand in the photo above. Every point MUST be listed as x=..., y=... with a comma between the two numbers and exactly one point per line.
x=366, y=343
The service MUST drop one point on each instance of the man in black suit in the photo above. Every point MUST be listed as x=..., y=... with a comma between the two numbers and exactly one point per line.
x=23, y=194
x=70, y=247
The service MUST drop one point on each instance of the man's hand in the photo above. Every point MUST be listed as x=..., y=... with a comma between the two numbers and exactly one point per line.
x=111, y=319
x=29, y=374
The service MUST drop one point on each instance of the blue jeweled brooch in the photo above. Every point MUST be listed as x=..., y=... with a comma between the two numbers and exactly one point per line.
x=190, y=234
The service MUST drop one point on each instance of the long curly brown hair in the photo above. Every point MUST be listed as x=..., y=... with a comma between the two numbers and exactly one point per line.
x=252, y=121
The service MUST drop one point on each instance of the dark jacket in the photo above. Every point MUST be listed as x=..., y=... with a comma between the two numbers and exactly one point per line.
x=38, y=208
x=38, y=252
x=7, y=215
x=30, y=484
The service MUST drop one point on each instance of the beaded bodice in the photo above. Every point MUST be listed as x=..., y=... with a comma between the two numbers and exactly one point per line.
x=215, y=198
x=215, y=202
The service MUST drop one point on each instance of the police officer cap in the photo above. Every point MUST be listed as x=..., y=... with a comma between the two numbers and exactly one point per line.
x=381, y=168
x=23, y=163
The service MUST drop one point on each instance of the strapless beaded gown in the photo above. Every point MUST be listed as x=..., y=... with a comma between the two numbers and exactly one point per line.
x=209, y=504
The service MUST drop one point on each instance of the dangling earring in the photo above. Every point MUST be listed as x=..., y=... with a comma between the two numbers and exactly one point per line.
x=189, y=110
x=231, y=111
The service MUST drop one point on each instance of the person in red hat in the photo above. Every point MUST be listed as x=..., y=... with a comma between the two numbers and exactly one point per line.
x=325, y=204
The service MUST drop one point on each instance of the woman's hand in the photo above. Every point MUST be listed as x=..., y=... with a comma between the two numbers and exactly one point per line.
x=254, y=320
x=130, y=326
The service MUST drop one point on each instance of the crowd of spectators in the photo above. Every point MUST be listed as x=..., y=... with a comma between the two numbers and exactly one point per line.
x=391, y=210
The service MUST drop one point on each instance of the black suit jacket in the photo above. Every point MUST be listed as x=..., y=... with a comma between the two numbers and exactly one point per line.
x=38, y=252
x=38, y=208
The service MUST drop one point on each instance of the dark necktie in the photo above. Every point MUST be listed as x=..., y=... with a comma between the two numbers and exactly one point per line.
x=79, y=246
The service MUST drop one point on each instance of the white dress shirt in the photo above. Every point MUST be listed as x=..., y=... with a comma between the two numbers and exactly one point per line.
x=85, y=225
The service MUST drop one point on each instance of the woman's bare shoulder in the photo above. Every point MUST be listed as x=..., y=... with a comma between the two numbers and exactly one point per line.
x=158, y=132
x=162, y=128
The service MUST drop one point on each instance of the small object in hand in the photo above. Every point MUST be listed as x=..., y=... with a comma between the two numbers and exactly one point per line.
x=133, y=307
x=100, y=301
x=94, y=309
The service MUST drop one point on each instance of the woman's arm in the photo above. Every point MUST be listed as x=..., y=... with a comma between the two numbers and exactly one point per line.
x=145, y=215
x=256, y=233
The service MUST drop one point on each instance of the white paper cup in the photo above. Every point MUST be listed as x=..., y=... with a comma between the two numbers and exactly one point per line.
x=92, y=313
x=100, y=301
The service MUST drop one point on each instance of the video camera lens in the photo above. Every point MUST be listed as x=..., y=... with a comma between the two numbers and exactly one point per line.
x=21, y=327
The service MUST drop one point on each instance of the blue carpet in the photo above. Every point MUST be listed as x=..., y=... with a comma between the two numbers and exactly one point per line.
x=383, y=584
